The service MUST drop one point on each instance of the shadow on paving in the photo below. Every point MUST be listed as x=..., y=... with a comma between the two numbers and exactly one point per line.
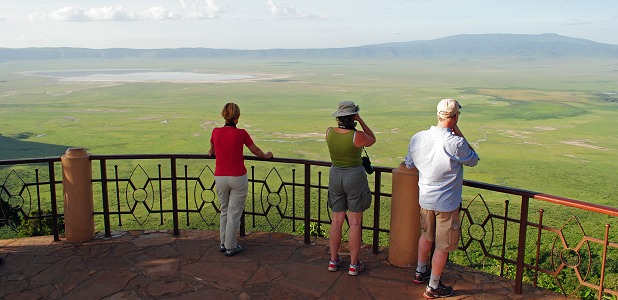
x=158, y=265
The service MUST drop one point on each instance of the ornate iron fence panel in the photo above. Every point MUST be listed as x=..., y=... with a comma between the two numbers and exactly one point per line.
x=540, y=242
x=28, y=193
x=158, y=191
x=166, y=190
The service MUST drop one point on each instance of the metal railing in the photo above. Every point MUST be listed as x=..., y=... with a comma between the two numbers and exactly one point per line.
x=289, y=195
x=28, y=194
x=571, y=249
x=274, y=201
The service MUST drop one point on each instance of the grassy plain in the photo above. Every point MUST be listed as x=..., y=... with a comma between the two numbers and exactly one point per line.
x=537, y=125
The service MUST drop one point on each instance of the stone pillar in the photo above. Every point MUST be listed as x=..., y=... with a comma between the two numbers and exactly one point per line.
x=78, y=199
x=405, y=220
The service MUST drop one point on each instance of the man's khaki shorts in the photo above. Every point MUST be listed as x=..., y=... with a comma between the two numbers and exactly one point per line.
x=442, y=227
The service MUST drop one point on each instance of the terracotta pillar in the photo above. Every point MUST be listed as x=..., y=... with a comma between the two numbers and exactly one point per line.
x=405, y=220
x=78, y=199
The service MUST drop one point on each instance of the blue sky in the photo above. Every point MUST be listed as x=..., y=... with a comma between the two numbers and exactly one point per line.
x=267, y=24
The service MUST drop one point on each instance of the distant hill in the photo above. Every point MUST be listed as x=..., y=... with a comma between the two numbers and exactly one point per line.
x=459, y=46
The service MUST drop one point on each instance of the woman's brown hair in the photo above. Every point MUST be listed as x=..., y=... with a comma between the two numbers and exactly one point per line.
x=346, y=122
x=230, y=112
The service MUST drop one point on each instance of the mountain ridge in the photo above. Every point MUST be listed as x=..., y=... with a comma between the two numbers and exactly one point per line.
x=547, y=45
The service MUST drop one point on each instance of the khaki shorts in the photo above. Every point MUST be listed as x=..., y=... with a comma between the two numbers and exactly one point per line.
x=444, y=228
x=348, y=189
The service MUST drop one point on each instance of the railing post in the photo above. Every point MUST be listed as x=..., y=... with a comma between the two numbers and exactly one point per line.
x=293, y=200
x=405, y=218
x=604, y=257
x=376, y=212
x=307, y=217
x=538, y=248
x=186, y=188
x=78, y=197
x=54, y=205
x=521, y=247
x=174, y=195
x=105, y=195
x=242, y=220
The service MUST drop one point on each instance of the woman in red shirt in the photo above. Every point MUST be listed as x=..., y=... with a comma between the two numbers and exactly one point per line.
x=226, y=144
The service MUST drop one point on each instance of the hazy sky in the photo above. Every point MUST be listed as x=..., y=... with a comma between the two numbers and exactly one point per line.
x=267, y=24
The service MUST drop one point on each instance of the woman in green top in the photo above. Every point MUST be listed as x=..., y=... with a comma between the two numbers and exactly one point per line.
x=348, y=189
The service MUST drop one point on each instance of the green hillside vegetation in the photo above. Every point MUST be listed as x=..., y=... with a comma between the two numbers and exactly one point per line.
x=542, y=125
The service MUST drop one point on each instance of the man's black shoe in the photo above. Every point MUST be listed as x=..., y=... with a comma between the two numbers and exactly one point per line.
x=441, y=291
x=420, y=278
x=233, y=251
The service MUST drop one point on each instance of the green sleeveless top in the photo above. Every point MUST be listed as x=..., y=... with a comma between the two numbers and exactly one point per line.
x=342, y=151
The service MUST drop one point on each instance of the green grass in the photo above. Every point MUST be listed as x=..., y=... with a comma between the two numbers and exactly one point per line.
x=536, y=125
x=539, y=126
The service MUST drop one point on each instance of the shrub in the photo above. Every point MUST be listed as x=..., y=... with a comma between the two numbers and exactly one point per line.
x=40, y=223
x=315, y=229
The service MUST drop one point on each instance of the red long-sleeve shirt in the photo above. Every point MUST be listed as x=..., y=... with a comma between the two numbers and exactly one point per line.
x=228, y=142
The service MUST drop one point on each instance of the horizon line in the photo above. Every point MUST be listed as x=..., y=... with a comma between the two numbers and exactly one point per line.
x=343, y=47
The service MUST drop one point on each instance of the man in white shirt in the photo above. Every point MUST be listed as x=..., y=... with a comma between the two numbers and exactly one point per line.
x=439, y=153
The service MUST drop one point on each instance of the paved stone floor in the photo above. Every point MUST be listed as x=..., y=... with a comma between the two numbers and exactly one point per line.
x=158, y=265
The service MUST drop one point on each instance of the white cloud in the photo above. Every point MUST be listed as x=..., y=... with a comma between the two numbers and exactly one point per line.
x=205, y=9
x=110, y=14
x=79, y=14
x=191, y=9
x=2, y=18
x=283, y=10
x=280, y=10
x=159, y=13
